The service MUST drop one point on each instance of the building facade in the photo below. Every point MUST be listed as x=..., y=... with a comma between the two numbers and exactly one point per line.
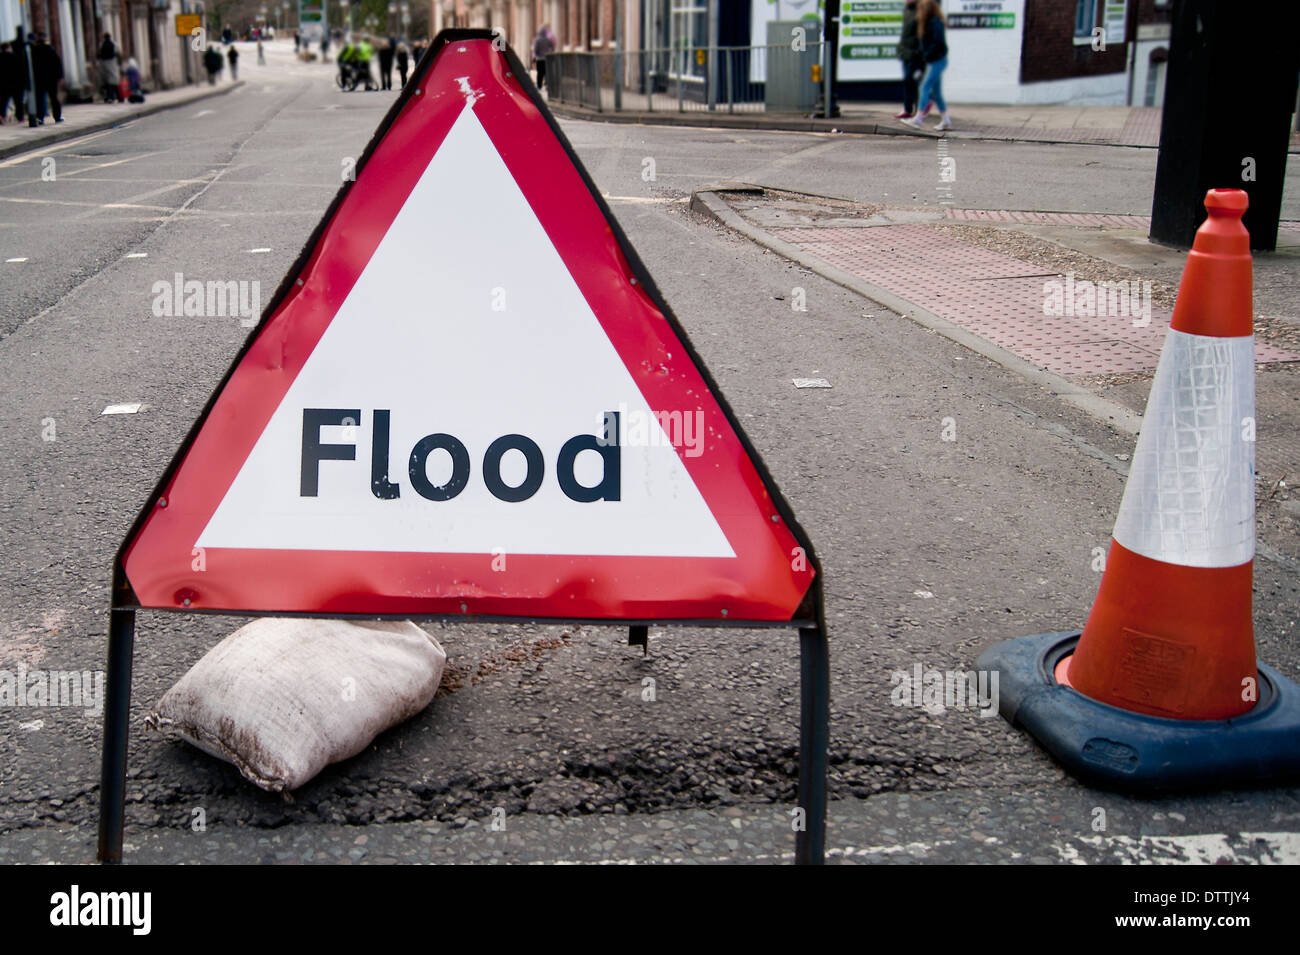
x=143, y=30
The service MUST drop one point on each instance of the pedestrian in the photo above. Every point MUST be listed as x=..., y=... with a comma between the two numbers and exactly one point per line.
x=227, y=35
x=909, y=52
x=261, y=53
x=109, y=72
x=13, y=83
x=364, y=54
x=233, y=56
x=543, y=46
x=297, y=41
x=212, y=62
x=386, y=53
x=325, y=47
x=930, y=27
x=135, y=92
x=47, y=70
x=403, y=62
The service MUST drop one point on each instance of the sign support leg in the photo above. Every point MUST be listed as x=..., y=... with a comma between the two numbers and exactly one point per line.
x=117, y=706
x=639, y=636
x=814, y=739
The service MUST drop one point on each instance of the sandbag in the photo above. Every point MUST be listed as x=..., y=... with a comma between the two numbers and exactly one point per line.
x=282, y=698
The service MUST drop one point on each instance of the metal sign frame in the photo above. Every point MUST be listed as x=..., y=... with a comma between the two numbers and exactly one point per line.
x=808, y=618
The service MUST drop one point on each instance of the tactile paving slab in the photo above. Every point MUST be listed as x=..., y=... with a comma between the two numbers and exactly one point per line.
x=997, y=297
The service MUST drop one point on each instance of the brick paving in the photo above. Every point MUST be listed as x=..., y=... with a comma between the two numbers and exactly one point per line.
x=997, y=297
x=1050, y=218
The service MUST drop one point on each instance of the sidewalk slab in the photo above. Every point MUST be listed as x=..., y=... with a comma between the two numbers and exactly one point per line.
x=969, y=287
x=1130, y=126
x=80, y=119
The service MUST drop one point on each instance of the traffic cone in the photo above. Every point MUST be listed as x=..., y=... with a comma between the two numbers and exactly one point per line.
x=1162, y=689
x=1170, y=632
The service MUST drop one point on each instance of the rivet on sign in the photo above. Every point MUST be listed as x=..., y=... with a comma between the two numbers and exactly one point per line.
x=464, y=606
x=724, y=613
x=510, y=74
x=187, y=603
x=162, y=502
x=300, y=281
x=634, y=281
x=775, y=518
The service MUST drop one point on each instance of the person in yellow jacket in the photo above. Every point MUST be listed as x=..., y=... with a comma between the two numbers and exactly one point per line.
x=363, y=55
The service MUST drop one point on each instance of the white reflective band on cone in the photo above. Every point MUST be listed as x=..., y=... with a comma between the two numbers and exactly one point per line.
x=1190, y=497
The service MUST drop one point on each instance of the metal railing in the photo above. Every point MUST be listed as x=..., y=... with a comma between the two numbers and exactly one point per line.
x=687, y=79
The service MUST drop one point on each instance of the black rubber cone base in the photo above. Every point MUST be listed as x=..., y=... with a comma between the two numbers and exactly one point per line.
x=1116, y=749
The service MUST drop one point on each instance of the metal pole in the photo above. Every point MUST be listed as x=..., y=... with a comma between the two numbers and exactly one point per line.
x=711, y=61
x=681, y=69
x=830, y=62
x=731, y=65
x=117, y=706
x=814, y=739
x=618, y=55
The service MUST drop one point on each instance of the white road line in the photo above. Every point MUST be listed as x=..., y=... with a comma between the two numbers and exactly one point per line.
x=654, y=200
x=80, y=205
x=116, y=162
x=137, y=255
x=203, y=112
x=23, y=259
x=258, y=251
x=42, y=153
x=1269, y=848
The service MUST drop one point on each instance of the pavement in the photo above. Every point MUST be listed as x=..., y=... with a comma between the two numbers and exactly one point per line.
x=976, y=277
x=82, y=118
x=548, y=727
x=1131, y=126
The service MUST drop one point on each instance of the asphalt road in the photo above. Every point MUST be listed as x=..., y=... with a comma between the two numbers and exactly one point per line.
x=932, y=549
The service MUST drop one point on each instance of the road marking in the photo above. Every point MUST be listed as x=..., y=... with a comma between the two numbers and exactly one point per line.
x=137, y=255
x=82, y=205
x=128, y=408
x=1272, y=848
x=22, y=259
x=38, y=153
x=115, y=162
x=258, y=251
x=203, y=112
x=652, y=200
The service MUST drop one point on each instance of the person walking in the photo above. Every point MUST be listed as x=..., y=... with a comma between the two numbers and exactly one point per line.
x=109, y=73
x=403, y=63
x=13, y=83
x=386, y=54
x=543, y=46
x=261, y=53
x=212, y=62
x=233, y=56
x=931, y=29
x=47, y=69
x=909, y=52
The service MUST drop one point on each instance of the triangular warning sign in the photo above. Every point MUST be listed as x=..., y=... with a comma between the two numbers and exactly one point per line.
x=469, y=399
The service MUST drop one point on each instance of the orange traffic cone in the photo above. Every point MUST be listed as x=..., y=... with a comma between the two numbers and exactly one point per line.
x=1170, y=632
x=1162, y=690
